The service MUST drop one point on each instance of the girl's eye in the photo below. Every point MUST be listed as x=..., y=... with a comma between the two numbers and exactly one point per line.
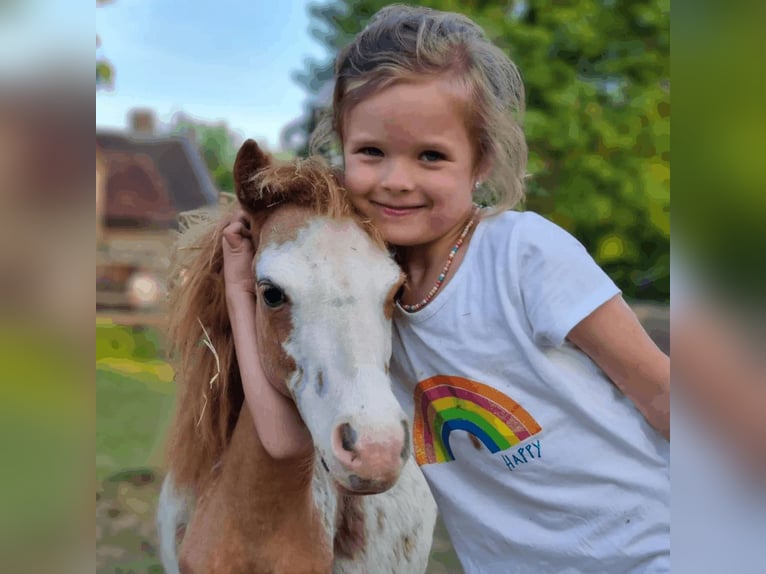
x=432, y=156
x=273, y=296
x=371, y=151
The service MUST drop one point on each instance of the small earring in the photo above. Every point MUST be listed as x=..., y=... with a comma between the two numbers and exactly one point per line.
x=476, y=185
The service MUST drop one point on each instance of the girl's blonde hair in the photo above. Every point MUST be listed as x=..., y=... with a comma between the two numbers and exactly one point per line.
x=405, y=43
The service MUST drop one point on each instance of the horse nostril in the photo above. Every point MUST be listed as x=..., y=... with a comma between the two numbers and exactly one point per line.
x=347, y=437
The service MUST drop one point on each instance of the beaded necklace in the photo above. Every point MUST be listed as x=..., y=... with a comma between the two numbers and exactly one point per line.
x=447, y=265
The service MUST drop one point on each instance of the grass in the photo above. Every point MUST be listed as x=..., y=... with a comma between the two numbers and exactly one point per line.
x=135, y=396
x=134, y=399
x=131, y=418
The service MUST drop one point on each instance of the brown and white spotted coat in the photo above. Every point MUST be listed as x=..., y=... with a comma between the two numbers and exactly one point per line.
x=329, y=346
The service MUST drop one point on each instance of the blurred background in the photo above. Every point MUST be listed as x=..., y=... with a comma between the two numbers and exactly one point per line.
x=178, y=87
x=177, y=91
x=598, y=121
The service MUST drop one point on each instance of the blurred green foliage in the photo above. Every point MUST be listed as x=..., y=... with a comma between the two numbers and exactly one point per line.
x=104, y=68
x=104, y=74
x=217, y=144
x=720, y=173
x=122, y=342
x=598, y=117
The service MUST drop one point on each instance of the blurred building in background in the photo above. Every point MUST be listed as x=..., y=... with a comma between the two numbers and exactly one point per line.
x=143, y=181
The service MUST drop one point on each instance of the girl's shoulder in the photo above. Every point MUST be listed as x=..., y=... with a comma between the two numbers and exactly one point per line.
x=534, y=245
x=520, y=230
x=526, y=221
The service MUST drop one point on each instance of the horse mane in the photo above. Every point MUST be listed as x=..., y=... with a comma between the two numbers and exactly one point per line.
x=210, y=393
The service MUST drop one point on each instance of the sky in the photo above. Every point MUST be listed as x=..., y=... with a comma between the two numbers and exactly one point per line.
x=229, y=60
x=37, y=34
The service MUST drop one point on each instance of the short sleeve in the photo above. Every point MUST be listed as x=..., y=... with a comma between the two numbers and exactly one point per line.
x=560, y=282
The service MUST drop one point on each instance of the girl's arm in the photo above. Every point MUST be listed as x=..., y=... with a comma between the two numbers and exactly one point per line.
x=277, y=421
x=613, y=337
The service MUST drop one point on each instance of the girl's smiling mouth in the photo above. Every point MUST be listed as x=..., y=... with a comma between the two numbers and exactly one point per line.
x=396, y=210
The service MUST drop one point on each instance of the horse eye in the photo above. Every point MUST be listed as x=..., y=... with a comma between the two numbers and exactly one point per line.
x=274, y=296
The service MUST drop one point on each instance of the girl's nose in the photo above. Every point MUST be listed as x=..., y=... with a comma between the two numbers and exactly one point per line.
x=397, y=178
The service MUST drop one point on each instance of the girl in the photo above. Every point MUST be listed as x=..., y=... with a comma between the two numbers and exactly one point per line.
x=540, y=407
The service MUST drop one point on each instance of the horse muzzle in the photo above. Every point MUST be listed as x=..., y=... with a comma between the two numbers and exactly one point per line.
x=369, y=462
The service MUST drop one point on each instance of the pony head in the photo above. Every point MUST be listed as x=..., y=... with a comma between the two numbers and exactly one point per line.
x=325, y=286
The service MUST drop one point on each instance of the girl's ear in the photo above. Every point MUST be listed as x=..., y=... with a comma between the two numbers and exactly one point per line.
x=483, y=168
x=250, y=160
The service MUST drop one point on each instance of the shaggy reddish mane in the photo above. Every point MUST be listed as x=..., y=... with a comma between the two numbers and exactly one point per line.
x=210, y=394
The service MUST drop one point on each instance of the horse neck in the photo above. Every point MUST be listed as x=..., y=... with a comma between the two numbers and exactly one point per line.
x=269, y=491
x=254, y=477
x=259, y=514
x=267, y=496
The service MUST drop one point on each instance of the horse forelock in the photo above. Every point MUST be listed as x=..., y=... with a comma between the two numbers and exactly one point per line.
x=313, y=184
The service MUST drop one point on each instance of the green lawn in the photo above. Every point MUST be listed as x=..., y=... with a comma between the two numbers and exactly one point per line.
x=134, y=404
x=131, y=419
x=134, y=400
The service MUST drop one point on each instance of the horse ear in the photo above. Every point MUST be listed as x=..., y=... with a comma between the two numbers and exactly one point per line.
x=250, y=160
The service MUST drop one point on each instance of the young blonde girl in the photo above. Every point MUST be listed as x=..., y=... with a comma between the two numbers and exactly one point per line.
x=539, y=406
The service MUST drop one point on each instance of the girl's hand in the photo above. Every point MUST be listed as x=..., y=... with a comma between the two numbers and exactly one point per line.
x=238, y=254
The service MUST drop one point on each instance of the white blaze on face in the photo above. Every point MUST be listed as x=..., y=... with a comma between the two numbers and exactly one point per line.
x=337, y=282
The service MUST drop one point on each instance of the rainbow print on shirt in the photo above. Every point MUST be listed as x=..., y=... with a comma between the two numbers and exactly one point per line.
x=444, y=404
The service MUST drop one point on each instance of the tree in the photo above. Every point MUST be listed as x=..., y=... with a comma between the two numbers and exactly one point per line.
x=598, y=104
x=104, y=68
x=217, y=145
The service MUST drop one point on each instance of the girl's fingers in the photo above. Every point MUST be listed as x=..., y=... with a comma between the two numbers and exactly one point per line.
x=242, y=218
x=232, y=235
x=237, y=231
x=245, y=219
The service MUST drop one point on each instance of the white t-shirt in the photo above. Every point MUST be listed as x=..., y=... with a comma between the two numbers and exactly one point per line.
x=538, y=463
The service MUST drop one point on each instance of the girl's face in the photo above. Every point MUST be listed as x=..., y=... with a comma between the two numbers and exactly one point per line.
x=410, y=164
